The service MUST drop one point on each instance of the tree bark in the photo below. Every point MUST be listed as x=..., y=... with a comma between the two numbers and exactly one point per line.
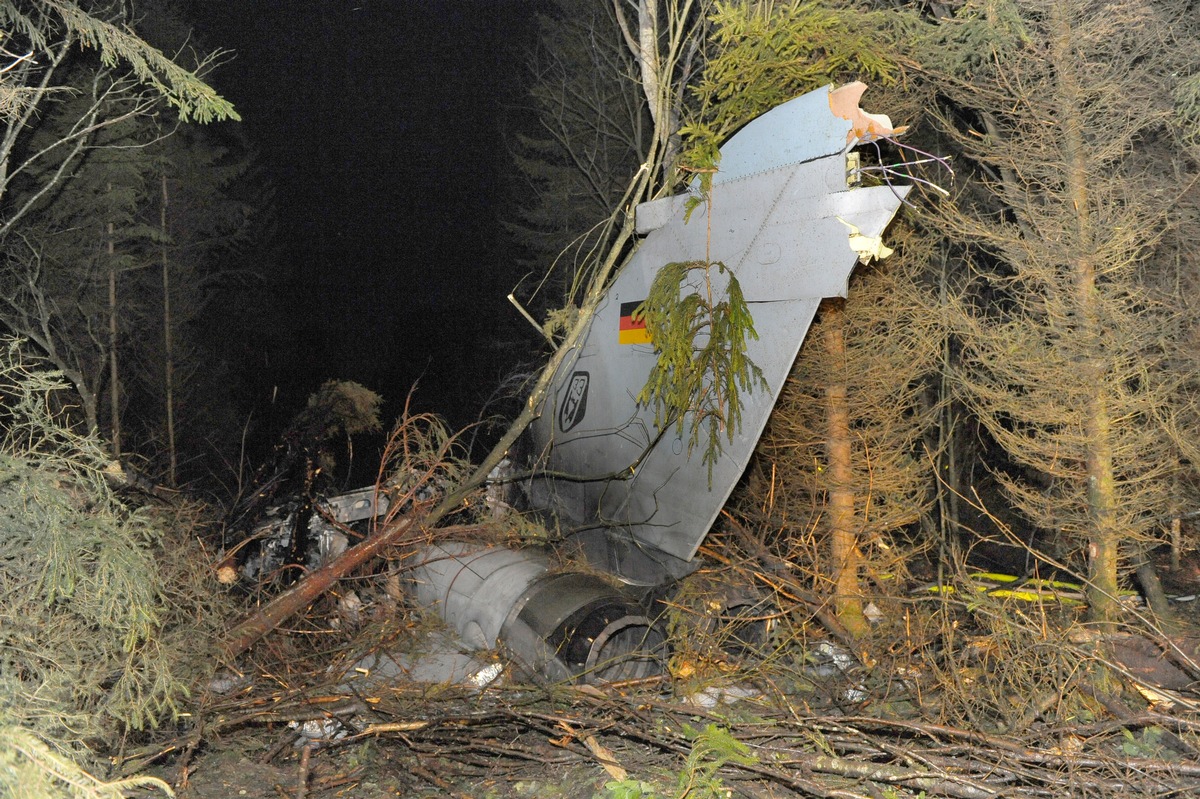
x=114, y=387
x=168, y=343
x=843, y=544
x=658, y=69
x=1104, y=543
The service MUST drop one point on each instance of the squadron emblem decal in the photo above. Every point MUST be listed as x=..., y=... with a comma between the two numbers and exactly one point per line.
x=574, y=404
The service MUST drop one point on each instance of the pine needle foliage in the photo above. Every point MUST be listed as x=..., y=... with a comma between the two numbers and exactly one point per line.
x=765, y=53
x=29, y=769
x=1187, y=108
x=712, y=748
x=891, y=341
x=965, y=45
x=41, y=21
x=345, y=406
x=699, y=335
x=92, y=638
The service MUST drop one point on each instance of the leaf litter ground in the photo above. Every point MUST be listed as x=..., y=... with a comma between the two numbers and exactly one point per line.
x=949, y=697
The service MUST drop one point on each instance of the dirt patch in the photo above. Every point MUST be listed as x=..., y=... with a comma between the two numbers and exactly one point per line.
x=372, y=770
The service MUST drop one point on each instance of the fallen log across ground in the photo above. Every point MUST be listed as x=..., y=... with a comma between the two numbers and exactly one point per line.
x=308, y=589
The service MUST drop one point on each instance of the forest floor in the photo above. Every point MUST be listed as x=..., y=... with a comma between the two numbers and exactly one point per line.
x=976, y=699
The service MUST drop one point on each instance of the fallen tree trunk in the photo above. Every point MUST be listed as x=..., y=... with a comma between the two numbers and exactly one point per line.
x=266, y=618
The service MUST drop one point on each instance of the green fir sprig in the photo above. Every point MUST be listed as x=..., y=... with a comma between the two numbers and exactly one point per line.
x=700, y=338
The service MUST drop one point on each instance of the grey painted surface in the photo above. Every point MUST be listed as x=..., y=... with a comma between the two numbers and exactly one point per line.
x=637, y=503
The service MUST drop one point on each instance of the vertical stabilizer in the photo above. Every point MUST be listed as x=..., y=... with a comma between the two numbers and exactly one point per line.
x=787, y=220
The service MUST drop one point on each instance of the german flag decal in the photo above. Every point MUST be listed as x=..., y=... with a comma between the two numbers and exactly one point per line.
x=633, y=325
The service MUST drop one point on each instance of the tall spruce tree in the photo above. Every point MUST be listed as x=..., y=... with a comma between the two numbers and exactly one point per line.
x=94, y=642
x=845, y=437
x=79, y=144
x=178, y=393
x=1066, y=108
x=68, y=257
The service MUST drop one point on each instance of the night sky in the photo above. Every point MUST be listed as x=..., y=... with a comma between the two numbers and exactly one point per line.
x=381, y=125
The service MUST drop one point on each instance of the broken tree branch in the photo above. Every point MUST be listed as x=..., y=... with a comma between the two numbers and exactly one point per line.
x=266, y=618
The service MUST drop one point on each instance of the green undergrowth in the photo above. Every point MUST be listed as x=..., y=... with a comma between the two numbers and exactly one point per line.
x=104, y=622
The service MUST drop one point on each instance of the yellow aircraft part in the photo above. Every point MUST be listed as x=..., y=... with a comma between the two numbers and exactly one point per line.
x=1008, y=586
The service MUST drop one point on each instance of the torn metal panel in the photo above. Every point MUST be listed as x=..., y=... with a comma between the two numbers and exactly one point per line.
x=786, y=217
x=324, y=539
x=354, y=506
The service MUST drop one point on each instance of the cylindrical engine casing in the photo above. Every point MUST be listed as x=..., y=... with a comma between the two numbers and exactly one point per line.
x=563, y=626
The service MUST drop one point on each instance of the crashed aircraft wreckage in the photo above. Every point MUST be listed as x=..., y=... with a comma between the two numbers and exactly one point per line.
x=790, y=218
